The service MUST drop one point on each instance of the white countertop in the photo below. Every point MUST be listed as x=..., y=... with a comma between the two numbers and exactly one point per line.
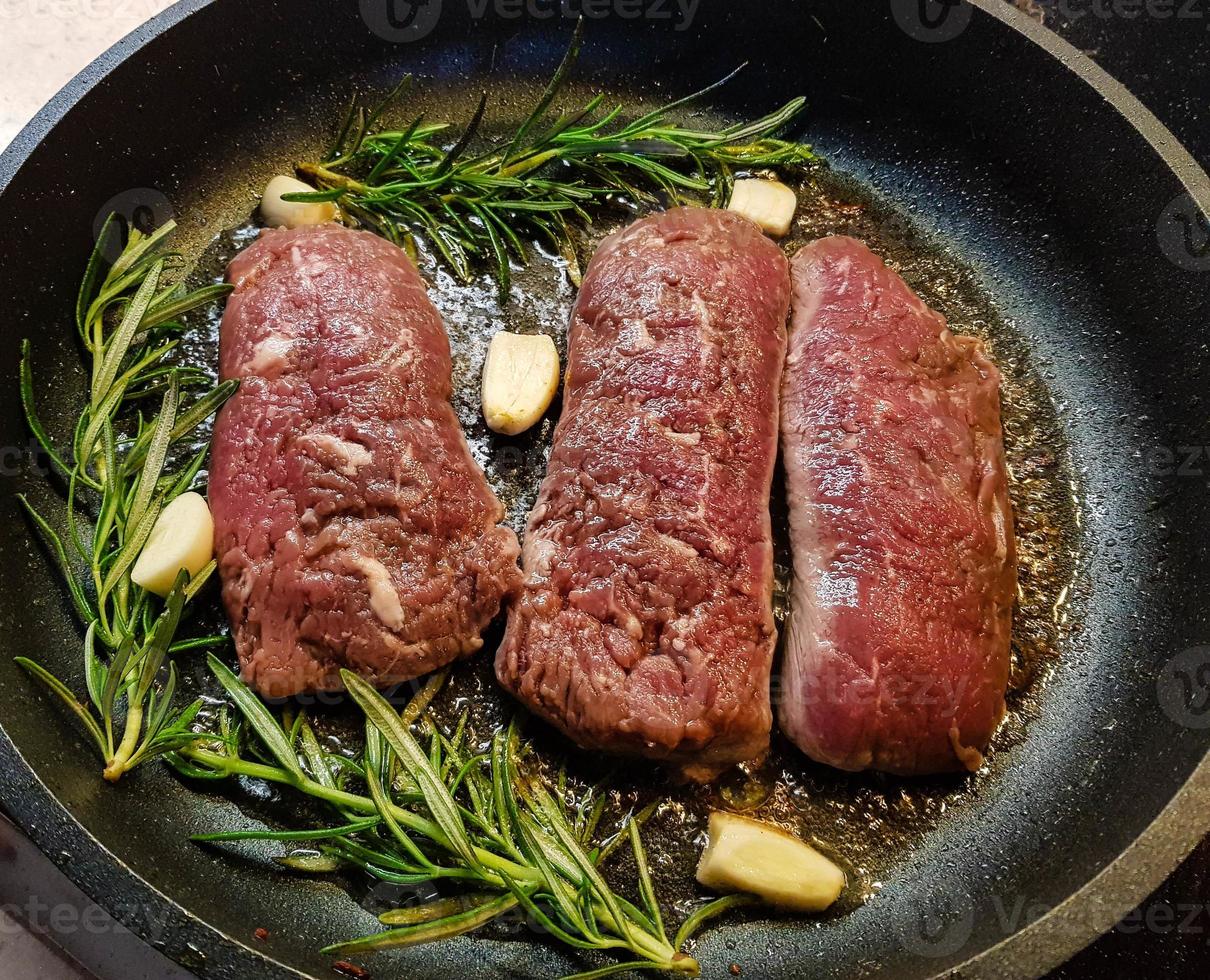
x=43, y=43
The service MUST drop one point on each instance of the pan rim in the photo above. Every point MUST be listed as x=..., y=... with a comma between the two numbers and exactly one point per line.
x=1042, y=945
x=84, y=81
x=1154, y=854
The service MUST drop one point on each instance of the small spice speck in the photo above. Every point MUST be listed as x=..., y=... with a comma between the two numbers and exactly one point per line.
x=262, y=934
x=351, y=970
x=735, y=970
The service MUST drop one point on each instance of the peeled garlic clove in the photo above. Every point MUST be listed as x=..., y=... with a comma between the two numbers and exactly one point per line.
x=520, y=377
x=182, y=537
x=277, y=213
x=768, y=203
x=750, y=856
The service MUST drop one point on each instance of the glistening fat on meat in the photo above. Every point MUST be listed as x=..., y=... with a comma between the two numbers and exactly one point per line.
x=897, y=652
x=353, y=528
x=645, y=622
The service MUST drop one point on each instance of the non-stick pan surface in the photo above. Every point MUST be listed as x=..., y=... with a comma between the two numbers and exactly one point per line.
x=1077, y=212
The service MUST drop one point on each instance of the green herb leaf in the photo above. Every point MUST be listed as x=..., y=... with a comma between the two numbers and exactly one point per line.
x=123, y=484
x=257, y=715
x=710, y=910
x=540, y=181
x=444, y=928
x=292, y=836
x=441, y=804
x=64, y=694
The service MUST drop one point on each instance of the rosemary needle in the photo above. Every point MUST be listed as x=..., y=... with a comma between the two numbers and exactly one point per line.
x=542, y=180
x=118, y=478
x=473, y=819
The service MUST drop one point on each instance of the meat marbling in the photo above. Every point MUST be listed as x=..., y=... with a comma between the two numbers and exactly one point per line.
x=645, y=622
x=897, y=651
x=352, y=527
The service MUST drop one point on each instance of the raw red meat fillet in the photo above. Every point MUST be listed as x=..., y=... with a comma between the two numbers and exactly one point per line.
x=897, y=652
x=353, y=528
x=645, y=623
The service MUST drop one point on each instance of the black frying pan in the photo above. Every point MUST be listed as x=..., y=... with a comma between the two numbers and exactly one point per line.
x=1076, y=211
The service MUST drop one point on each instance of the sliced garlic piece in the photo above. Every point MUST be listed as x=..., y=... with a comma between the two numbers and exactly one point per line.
x=182, y=537
x=768, y=203
x=750, y=856
x=277, y=213
x=520, y=377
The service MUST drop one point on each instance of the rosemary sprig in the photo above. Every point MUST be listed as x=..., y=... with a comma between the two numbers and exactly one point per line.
x=118, y=479
x=539, y=181
x=407, y=814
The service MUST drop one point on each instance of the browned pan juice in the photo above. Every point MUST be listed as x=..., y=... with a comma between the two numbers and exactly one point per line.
x=864, y=821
